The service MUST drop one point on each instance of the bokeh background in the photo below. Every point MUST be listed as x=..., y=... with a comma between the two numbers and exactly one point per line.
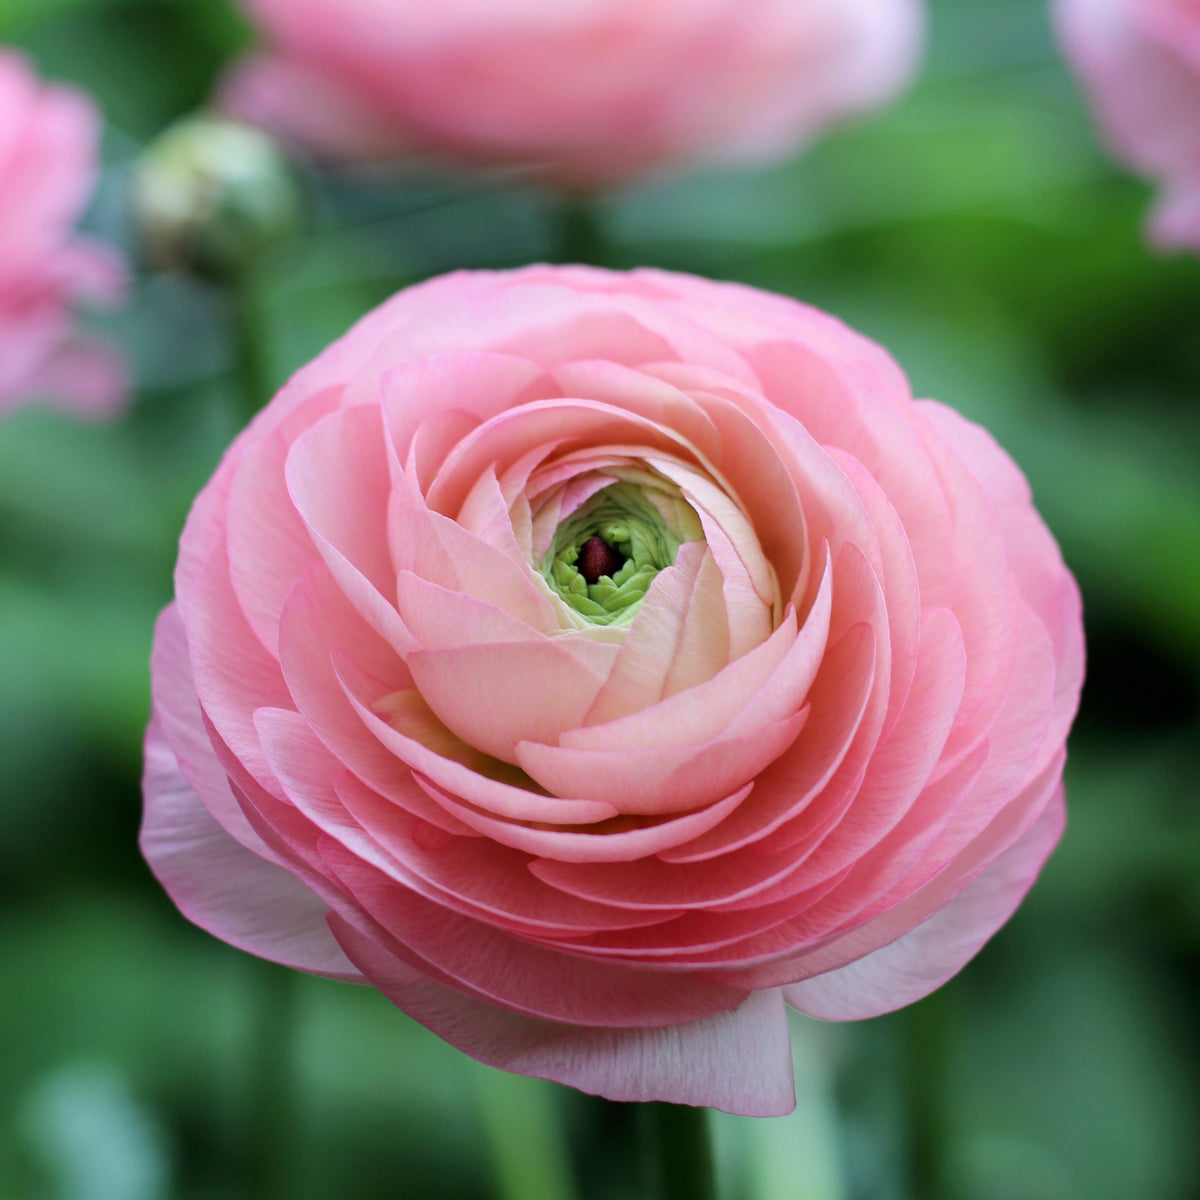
x=977, y=230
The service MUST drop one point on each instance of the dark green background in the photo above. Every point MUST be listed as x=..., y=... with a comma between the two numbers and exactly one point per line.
x=977, y=230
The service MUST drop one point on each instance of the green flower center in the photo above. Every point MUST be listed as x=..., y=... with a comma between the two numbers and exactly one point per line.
x=605, y=555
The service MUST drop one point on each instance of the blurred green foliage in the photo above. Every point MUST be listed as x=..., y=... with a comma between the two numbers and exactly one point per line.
x=976, y=230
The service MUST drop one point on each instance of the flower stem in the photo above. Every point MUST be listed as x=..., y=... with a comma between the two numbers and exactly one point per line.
x=677, y=1152
x=523, y=1126
x=580, y=232
x=270, y=1117
x=927, y=1031
x=249, y=357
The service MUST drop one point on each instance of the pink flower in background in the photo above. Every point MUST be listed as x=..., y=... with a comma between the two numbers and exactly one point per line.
x=588, y=91
x=48, y=137
x=1139, y=61
x=598, y=663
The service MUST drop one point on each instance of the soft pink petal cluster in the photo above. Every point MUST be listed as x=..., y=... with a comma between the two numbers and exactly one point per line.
x=820, y=766
x=587, y=91
x=1140, y=63
x=48, y=138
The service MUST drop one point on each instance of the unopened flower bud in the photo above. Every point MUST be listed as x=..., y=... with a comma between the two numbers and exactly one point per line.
x=212, y=193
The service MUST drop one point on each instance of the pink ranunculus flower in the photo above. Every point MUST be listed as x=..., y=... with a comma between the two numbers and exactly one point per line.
x=48, y=138
x=1140, y=63
x=589, y=92
x=598, y=663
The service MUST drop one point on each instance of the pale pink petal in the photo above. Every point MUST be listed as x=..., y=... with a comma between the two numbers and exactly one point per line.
x=504, y=439
x=703, y=647
x=749, y=584
x=181, y=726
x=621, y=841
x=542, y=322
x=915, y=964
x=425, y=388
x=458, y=768
x=269, y=545
x=672, y=888
x=836, y=405
x=692, y=717
x=863, y=934
x=234, y=675
x=638, y=678
x=899, y=578
x=515, y=974
x=651, y=781
x=221, y=886
x=485, y=512
x=838, y=704
x=48, y=173
x=639, y=392
x=1019, y=745
x=739, y=1061
x=860, y=599
x=393, y=842
x=477, y=876
x=321, y=637
x=49, y=137
x=764, y=488
x=905, y=759
x=349, y=524
x=1140, y=68
x=437, y=549
x=442, y=619
x=1033, y=556
x=497, y=695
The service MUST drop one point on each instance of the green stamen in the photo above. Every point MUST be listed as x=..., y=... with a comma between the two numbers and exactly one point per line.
x=606, y=554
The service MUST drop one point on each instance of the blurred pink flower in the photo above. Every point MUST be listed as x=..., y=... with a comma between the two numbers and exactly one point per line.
x=48, y=137
x=1139, y=61
x=596, y=663
x=587, y=91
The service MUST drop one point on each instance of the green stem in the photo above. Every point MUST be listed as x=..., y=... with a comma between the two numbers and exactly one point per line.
x=523, y=1126
x=677, y=1152
x=271, y=1117
x=927, y=1033
x=580, y=232
x=250, y=362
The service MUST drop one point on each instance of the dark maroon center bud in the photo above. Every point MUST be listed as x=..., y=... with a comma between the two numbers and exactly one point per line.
x=596, y=558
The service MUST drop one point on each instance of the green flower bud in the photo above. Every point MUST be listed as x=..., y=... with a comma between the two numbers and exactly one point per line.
x=212, y=193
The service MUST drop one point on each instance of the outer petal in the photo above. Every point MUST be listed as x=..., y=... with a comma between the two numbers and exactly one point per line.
x=739, y=1061
x=920, y=961
x=220, y=885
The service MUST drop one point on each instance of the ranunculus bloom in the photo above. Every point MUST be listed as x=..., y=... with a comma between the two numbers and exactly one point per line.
x=48, y=137
x=1140, y=63
x=596, y=663
x=590, y=91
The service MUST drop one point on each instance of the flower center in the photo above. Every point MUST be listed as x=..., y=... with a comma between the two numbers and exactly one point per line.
x=597, y=559
x=605, y=555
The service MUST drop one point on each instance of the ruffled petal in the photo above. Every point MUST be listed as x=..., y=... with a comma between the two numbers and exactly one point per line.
x=738, y=1061
x=221, y=886
x=918, y=962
